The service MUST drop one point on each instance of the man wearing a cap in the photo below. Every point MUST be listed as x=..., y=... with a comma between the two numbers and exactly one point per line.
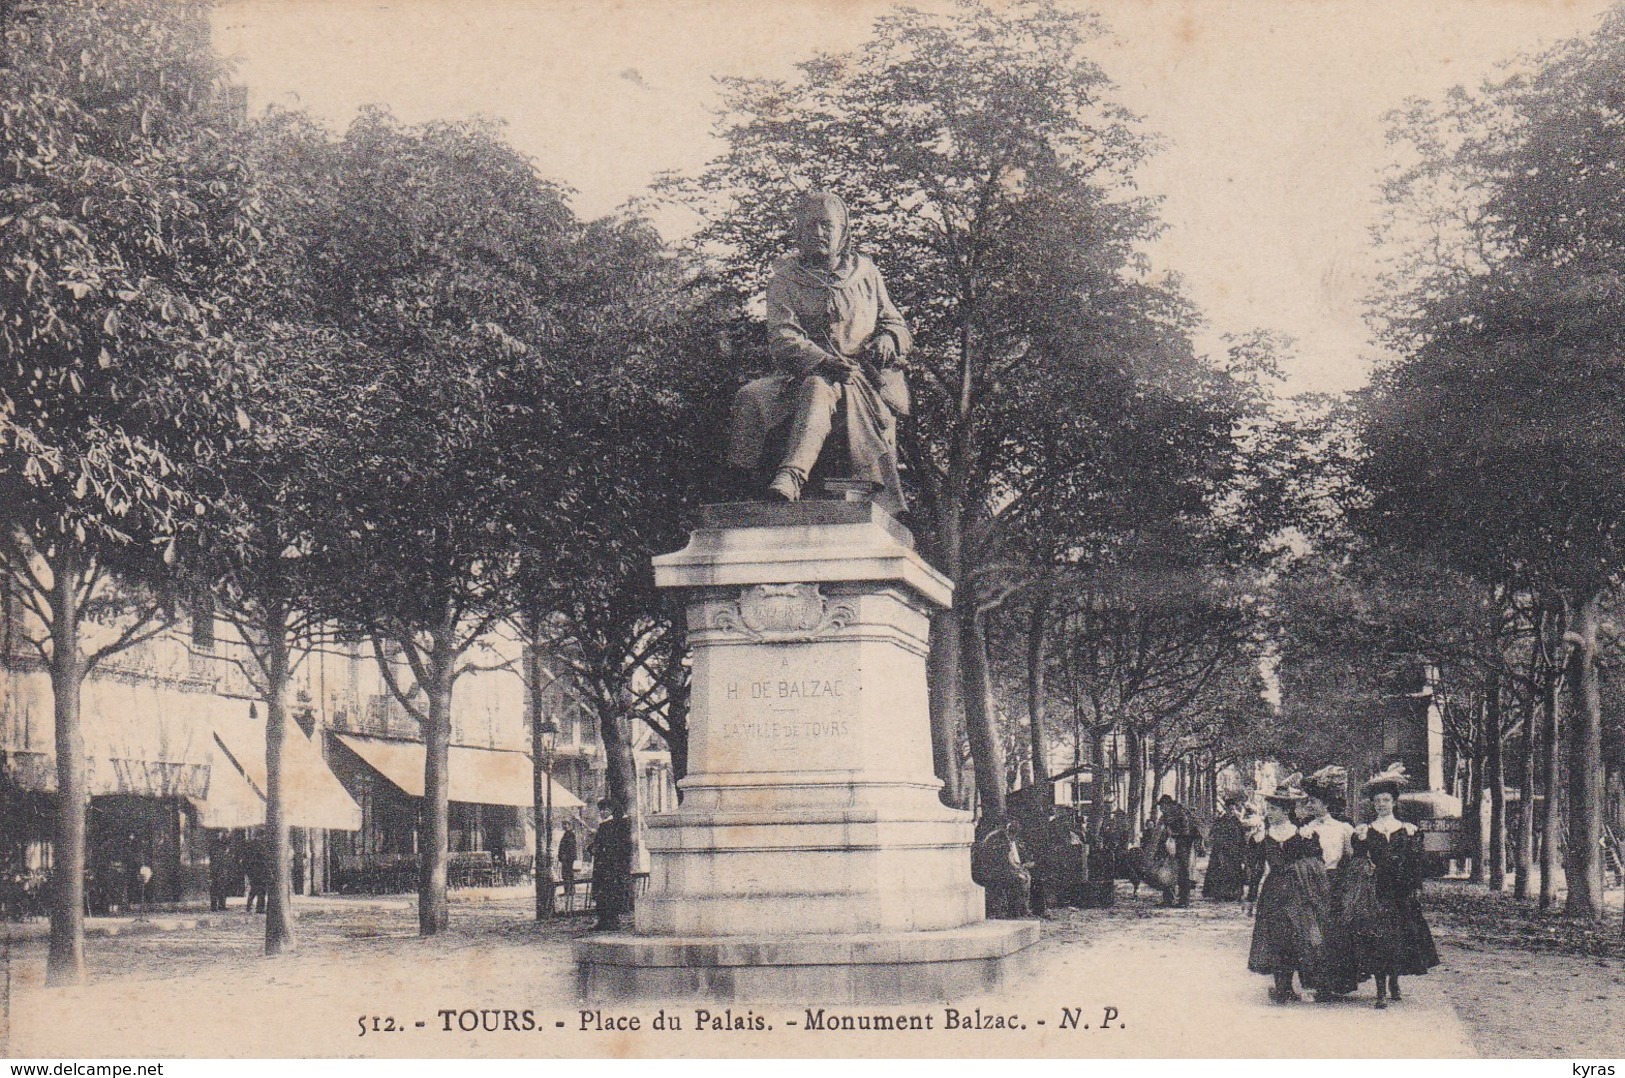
x=611, y=867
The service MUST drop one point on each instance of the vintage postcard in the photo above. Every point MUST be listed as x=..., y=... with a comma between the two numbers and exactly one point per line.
x=826, y=528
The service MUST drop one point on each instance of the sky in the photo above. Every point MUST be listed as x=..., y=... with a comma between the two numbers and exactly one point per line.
x=1271, y=112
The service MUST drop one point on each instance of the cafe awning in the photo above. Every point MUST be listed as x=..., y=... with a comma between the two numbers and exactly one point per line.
x=313, y=794
x=115, y=775
x=230, y=801
x=478, y=776
x=141, y=739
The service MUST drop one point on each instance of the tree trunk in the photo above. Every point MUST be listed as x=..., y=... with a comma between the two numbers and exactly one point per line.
x=65, y=964
x=1495, y=776
x=1475, y=797
x=540, y=784
x=677, y=699
x=1036, y=631
x=946, y=664
x=677, y=745
x=987, y=758
x=1134, y=749
x=279, y=933
x=1103, y=787
x=1551, y=828
x=1156, y=771
x=620, y=764
x=1585, y=901
x=318, y=862
x=942, y=687
x=1526, y=803
x=434, y=914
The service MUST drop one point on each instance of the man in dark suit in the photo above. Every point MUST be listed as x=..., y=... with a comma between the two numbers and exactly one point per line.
x=1179, y=831
x=257, y=866
x=225, y=874
x=996, y=867
x=612, y=867
x=569, y=850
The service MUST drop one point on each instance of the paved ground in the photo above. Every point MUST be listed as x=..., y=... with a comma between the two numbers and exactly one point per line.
x=1175, y=978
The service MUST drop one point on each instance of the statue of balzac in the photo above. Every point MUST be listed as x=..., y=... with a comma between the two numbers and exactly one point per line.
x=840, y=346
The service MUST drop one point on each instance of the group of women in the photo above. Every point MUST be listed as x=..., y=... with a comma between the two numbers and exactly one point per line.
x=1336, y=904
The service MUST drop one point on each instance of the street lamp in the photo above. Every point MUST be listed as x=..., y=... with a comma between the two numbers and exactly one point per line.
x=542, y=737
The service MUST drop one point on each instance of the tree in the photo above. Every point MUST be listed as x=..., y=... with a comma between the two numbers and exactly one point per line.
x=1496, y=439
x=991, y=174
x=1156, y=563
x=1360, y=631
x=647, y=405
x=302, y=402
x=121, y=212
x=1549, y=649
x=449, y=266
x=1163, y=654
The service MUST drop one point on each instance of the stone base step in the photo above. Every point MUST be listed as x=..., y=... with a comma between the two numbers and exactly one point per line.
x=880, y=967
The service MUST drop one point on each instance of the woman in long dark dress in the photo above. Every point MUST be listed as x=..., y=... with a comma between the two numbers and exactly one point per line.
x=1384, y=899
x=1324, y=788
x=1288, y=885
x=1226, y=877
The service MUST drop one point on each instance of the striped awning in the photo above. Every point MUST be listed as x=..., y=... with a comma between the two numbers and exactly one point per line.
x=140, y=740
x=36, y=772
x=230, y=802
x=312, y=793
x=478, y=776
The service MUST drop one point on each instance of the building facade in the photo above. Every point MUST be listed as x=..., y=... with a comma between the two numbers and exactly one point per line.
x=175, y=744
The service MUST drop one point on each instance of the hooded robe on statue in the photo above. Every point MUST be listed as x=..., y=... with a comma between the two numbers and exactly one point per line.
x=819, y=312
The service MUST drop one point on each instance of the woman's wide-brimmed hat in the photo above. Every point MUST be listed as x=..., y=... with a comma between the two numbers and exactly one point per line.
x=1391, y=779
x=1286, y=791
x=1330, y=783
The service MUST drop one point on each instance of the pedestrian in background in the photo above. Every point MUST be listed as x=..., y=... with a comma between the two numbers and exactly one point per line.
x=568, y=851
x=1177, y=833
x=997, y=868
x=224, y=870
x=612, y=867
x=257, y=866
x=1115, y=835
x=1226, y=879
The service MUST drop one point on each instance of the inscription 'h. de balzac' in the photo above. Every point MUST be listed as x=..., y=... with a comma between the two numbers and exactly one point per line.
x=788, y=689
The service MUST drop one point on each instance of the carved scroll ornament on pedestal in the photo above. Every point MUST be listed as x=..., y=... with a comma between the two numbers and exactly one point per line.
x=783, y=613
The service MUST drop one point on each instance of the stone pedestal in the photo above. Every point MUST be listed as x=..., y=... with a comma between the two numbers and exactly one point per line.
x=811, y=858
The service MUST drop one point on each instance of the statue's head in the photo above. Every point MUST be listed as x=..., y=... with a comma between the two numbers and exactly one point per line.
x=822, y=231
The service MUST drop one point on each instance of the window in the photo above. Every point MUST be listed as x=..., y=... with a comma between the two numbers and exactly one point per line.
x=203, y=622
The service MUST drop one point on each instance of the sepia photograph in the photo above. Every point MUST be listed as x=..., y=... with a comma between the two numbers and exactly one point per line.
x=857, y=529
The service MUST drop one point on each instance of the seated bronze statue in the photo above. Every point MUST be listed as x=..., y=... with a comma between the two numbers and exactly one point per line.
x=839, y=344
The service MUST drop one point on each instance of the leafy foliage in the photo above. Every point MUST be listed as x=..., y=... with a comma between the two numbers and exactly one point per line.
x=1495, y=439
x=122, y=210
x=122, y=213
x=989, y=171
x=1494, y=442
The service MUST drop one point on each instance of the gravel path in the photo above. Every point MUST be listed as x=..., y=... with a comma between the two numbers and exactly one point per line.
x=1145, y=982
